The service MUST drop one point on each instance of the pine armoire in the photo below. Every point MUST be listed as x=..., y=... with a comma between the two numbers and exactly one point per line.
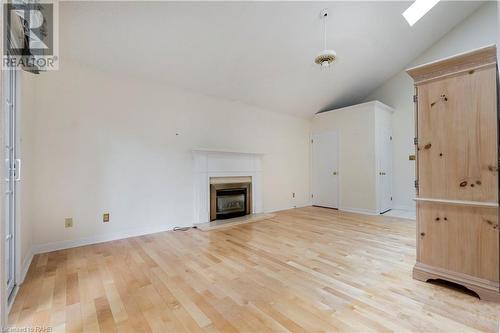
x=457, y=171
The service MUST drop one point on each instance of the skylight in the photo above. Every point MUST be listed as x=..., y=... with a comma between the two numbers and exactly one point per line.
x=418, y=9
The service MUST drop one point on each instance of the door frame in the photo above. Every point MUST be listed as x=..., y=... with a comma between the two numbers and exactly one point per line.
x=6, y=298
x=18, y=270
x=3, y=290
x=339, y=169
x=12, y=132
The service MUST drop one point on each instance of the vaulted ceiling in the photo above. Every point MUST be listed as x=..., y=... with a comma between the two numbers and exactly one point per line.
x=260, y=53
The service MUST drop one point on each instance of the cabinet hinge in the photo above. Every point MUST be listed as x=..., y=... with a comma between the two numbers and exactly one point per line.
x=415, y=98
x=390, y=138
x=415, y=141
x=312, y=141
x=416, y=183
x=391, y=198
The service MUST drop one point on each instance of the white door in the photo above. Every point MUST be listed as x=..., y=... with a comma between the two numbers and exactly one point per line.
x=11, y=176
x=385, y=171
x=325, y=172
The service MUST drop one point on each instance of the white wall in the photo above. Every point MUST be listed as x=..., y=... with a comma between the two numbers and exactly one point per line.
x=477, y=30
x=113, y=144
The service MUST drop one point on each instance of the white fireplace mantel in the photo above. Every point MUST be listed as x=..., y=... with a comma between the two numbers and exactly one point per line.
x=223, y=163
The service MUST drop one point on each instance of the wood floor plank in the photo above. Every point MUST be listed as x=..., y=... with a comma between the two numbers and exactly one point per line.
x=303, y=270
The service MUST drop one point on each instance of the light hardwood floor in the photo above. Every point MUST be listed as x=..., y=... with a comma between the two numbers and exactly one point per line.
x=308, y=269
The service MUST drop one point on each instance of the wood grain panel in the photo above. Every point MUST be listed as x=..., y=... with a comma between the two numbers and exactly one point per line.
x=457, y=135
x=460, y=239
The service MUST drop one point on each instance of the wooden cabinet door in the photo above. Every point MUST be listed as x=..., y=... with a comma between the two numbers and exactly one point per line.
x=457, y=137
x=459, y=239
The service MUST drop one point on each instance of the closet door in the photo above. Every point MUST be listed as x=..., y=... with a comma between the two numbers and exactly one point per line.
x=325, y=174
x=457, y=134
x=384, y=172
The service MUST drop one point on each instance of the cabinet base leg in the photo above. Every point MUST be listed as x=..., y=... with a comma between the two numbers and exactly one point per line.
x=486, y=291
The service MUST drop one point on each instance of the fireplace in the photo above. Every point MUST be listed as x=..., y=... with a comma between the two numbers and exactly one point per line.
x=216, y=166
x=228, y=200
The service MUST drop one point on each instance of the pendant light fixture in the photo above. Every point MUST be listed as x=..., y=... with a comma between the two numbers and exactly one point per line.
x=326, y=57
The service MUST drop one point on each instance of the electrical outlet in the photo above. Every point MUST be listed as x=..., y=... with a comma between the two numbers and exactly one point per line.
x=68, y=222
x=105, y=217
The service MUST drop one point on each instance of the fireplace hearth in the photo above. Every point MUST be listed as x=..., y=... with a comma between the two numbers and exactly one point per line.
x=228, y=200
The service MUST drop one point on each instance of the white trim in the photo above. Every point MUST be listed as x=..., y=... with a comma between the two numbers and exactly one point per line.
x=62, y=245
x=6, y=301
x=20, y=276
x=11, y=301
x=358, y=107
x=54, y=246
x=3, y=298
x=359, y=211
x=279, y=209
x=19, y=218
x=217, y=151
x=216, y=163
x=310, y=192
x=405, y=207
x=25, y=266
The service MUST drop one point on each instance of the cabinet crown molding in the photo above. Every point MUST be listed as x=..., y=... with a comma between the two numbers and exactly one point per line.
x=476, y=59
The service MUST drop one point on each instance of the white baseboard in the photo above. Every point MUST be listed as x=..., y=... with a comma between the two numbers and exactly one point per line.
x=277, y=209
x=54, y=246
x=61, y=245
x=26, y=266
x=411, y=208
x=359, y=211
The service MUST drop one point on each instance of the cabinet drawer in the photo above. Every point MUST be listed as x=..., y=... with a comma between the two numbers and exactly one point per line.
x=459, y=238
